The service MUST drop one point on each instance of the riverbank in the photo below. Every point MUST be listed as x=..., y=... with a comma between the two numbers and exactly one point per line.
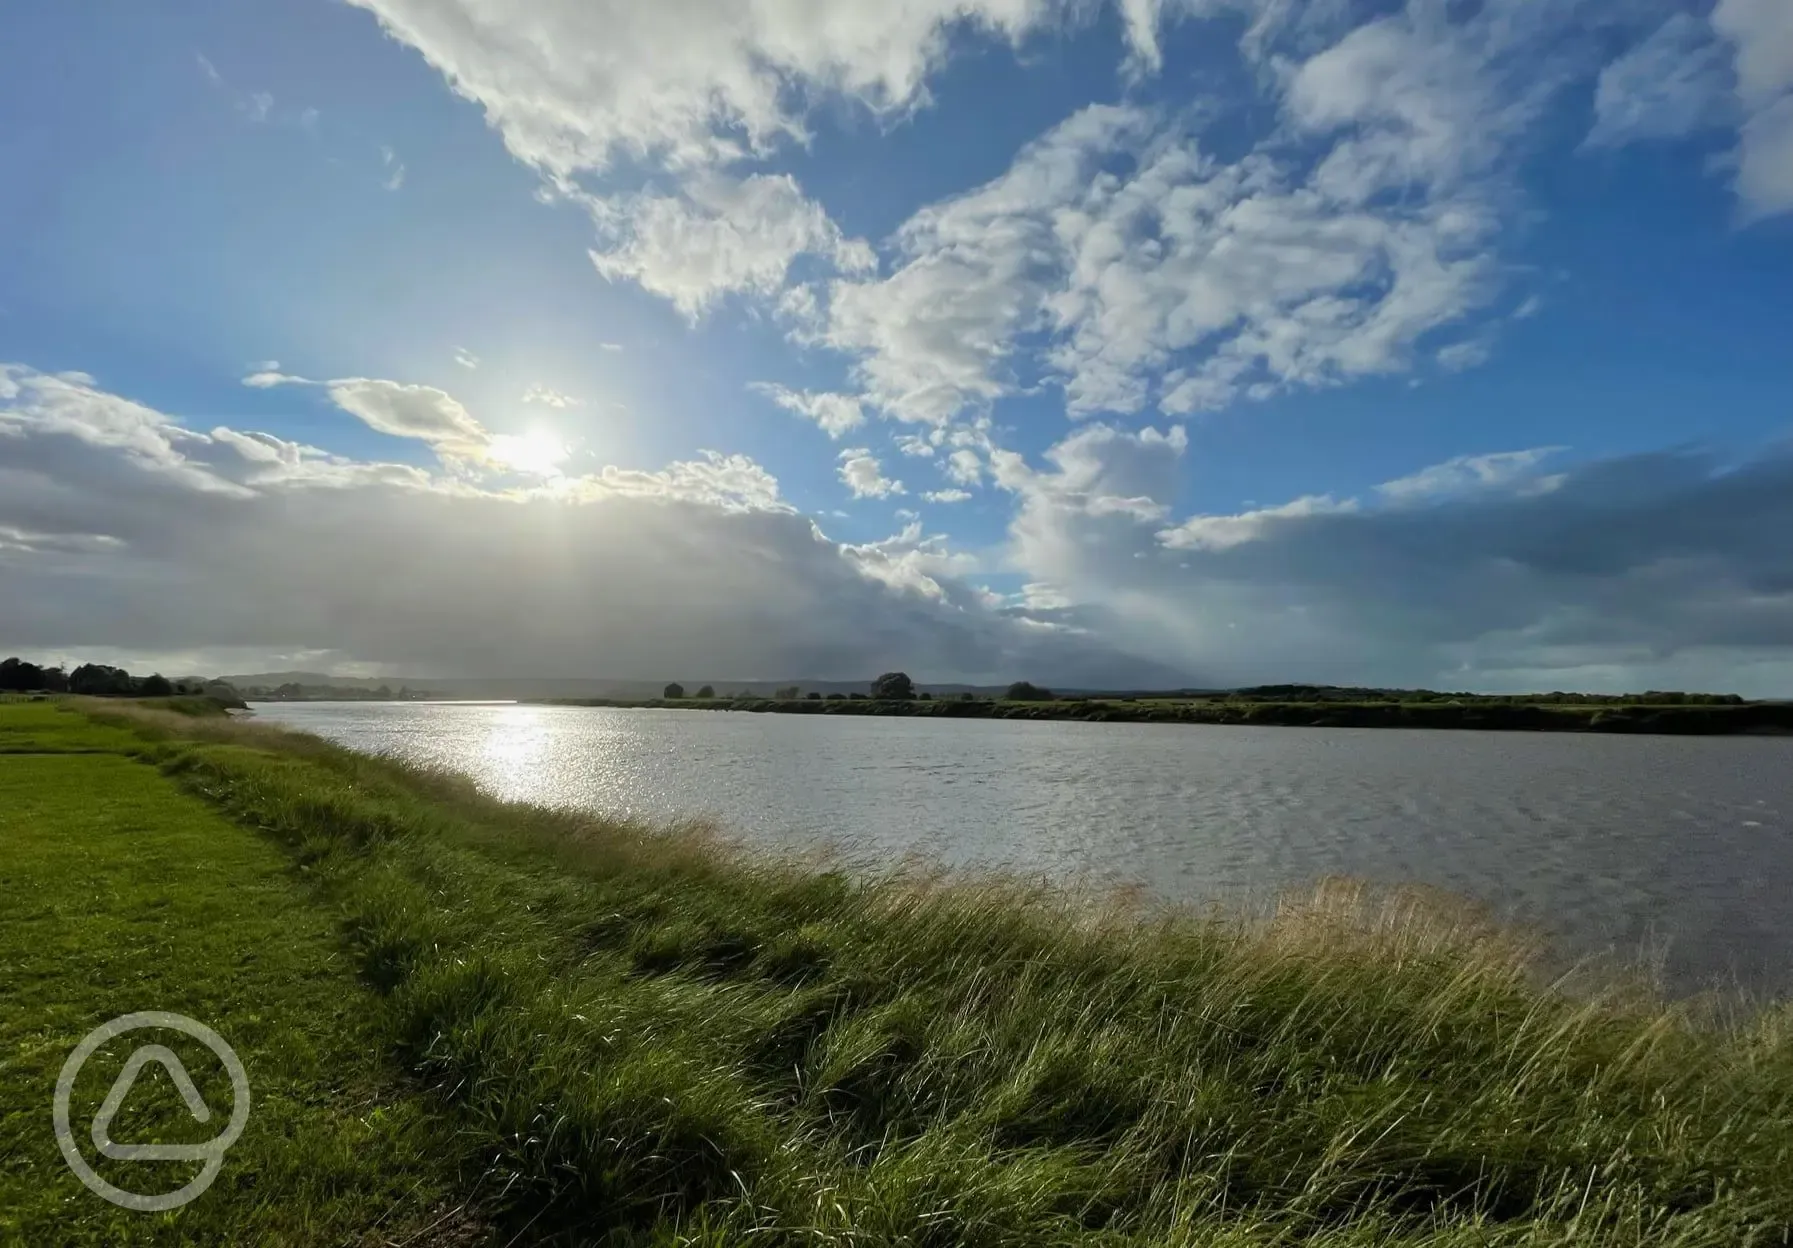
x=1764, y=718
x=652, y=1038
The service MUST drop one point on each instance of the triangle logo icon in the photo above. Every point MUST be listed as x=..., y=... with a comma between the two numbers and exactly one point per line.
x=170, y=1061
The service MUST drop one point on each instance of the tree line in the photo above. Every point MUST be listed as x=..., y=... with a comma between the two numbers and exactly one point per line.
x=890, y=687
x=1345, y=693
x=94, y=680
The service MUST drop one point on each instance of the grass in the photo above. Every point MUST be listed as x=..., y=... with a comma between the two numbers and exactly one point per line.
x=123, y=894
x=655, y=1039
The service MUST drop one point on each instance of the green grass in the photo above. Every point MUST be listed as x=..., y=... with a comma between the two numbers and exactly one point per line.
x=45, y=727
x=654, y=1039
x=123, y=894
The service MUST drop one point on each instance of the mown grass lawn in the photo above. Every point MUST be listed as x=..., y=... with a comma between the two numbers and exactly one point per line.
x=119, y=893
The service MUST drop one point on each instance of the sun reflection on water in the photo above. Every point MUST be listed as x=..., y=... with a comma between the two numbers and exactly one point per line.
x=514, y=753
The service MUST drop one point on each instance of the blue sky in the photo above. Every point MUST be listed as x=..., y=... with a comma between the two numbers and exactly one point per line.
x=1204, y=340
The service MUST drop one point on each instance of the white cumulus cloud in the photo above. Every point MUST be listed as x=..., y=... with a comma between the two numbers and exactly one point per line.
x=861, y=473
x=719, y=235
x=835, y=414
x=547, y=396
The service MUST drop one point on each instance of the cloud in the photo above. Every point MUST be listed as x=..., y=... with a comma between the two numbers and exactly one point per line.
x=1467, y=472
x=1336, y=222
x=572, y=85
x=257, y=107
x=1647, y=571
x=271, y=376
x=1328, y=252
x=964, y=466
x=937, y=335
x=1761, y=32
x=946, y=496
x=122, y=528
x=400, y=410
x=465, y=358
x=547, y=397
x=720, y=235
x=1689, y=74
x=1136, y=264
x=395, y=169
x=1098, y=471
x=861, y=473
x=835, y=414
x=1226, y=532
x=919, y=563
x=1673, y=83
x=408, y=411
x=123, y=531
x=51, y=419
x=577, y=89
x=1472, y=353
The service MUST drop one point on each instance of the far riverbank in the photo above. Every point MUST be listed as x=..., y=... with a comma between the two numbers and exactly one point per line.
x=1755, y=718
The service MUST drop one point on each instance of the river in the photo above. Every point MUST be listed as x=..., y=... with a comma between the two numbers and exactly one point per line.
x=1676, y=849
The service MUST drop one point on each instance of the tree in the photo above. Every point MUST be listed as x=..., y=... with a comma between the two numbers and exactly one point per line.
x=789, y=693
x=100, y=680
x=813, y=696
x=673, y=692
x=708, y=691
x=841, y=697
x=895, y=685
x=1022, y=691
x=18, y=675
x=926, y=696
x=968, y=696
x=156, y=685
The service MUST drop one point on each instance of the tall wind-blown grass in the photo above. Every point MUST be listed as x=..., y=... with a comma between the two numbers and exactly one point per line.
x=663, y=1040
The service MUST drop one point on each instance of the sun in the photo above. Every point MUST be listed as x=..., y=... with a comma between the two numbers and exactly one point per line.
x=538, y=452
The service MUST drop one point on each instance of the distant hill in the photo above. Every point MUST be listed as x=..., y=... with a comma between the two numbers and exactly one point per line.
x=274, y=679
x=495, y=687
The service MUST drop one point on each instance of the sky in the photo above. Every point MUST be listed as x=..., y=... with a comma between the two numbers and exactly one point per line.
x=1092, y=342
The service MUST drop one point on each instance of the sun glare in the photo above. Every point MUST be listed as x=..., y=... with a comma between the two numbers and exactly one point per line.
x=537, y=452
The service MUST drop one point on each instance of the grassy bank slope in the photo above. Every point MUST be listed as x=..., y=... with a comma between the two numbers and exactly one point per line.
x=1703, y=720
x=657, y=1041
x=118, y=893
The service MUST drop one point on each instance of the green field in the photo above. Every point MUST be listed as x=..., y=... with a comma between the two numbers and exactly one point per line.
x=123, y=894
x=582, y=1031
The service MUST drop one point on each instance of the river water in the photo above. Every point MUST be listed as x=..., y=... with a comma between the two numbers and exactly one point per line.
x=1676, y=849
